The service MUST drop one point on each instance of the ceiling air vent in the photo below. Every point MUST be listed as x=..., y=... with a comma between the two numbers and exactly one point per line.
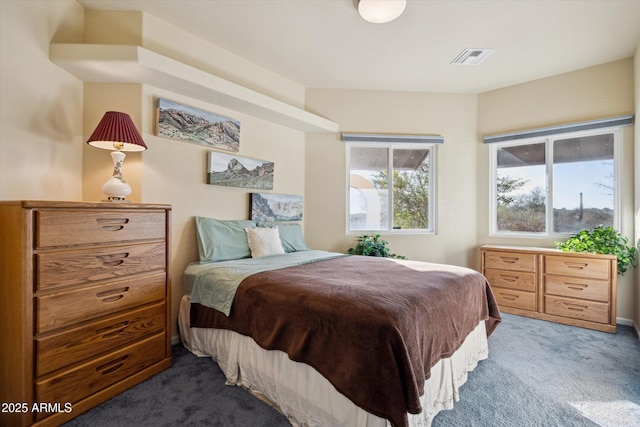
x=472, y=56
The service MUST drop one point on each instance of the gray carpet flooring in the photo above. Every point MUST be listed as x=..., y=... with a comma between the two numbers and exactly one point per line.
x=538, y=374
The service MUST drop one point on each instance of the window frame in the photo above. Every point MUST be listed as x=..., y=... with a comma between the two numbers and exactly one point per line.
x=390, y=146
x=548, y=140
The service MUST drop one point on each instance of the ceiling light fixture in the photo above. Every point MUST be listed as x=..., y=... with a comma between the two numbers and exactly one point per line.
x=381, y=11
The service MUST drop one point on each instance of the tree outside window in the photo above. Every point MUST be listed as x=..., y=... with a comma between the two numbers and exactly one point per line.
x=563, y=184
x=407, y=201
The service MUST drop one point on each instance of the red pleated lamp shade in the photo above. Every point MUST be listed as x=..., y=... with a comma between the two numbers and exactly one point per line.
x=116, y=131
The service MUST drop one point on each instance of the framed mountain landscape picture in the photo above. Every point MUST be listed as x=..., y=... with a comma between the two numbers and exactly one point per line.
x=236, y=171
x=269, y=207
x=184, y=123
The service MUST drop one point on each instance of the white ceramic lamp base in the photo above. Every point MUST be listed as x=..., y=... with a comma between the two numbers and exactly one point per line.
x=116, y=188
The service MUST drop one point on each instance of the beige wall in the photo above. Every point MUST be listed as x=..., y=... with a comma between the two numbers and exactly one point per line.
x=462, y=175
x=97, y=165
x=592, y=93
x=40, y=104
x=449, y=115
x=636, y=68
x=47, y=115
x=174, y=172
x=43, y=126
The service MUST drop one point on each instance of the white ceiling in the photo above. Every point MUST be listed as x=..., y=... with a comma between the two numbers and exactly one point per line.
x=325, y=43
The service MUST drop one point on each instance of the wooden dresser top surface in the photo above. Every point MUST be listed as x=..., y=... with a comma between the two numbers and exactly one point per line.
x=548, y=251
x=44, y=204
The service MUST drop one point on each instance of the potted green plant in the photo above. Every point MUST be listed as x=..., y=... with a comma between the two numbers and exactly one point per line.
x=602, y=240
x=373, y=245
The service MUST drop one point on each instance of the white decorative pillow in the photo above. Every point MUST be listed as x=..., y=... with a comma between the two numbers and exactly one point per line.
x=264, y=241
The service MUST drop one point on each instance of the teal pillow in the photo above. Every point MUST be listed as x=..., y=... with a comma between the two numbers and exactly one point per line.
x=290, y=235
x=221, y=240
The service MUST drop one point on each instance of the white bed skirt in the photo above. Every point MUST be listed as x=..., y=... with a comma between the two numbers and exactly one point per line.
x=307, y=398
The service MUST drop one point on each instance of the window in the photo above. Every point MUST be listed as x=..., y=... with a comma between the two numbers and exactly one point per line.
x=557, y=184
x=404, y=202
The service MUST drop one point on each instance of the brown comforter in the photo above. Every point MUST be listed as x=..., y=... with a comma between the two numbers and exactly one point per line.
x=372, y=326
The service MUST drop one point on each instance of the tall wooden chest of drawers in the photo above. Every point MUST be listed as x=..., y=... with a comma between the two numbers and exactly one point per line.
x=576, y=289
x=84, y=305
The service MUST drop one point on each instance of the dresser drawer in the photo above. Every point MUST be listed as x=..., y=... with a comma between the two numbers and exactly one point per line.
x=57, y=269
x=515, y=299
x=510, y=261
x=67, y=228
x=75, y=384
x=577, y=309
x=574, y=287
x=66, y=308
x=75, y=345
x=577, y=267
x=511, y=279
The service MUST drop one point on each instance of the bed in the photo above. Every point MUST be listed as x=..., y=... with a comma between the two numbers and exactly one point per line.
x=333, y=339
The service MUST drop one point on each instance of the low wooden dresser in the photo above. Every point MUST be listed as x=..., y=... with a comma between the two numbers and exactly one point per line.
x=576, y=289
x=84, y=305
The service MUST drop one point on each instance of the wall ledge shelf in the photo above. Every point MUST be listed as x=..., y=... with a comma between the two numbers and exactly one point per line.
x=99, y=63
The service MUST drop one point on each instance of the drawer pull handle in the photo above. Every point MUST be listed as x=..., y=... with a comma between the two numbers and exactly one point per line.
x=112, y=295
x=576, y=265
x=112, y=260
x=112, y=366
x=113, y=330
x=575, y=307
x=509, y=259
x=113, y=299
x=112, y=224
x=576, y=286
x=511, y=279
x=510, y=297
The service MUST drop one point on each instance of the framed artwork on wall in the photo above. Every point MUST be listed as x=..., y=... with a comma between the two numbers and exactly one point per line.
x=236, y=171
x=276, y=207
x=184, y=123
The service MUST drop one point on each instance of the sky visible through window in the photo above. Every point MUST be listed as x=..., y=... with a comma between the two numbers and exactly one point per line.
x=594, y=179
x=570, y=179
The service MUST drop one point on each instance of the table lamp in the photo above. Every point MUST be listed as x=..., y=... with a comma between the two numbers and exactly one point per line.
x=117, y=132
